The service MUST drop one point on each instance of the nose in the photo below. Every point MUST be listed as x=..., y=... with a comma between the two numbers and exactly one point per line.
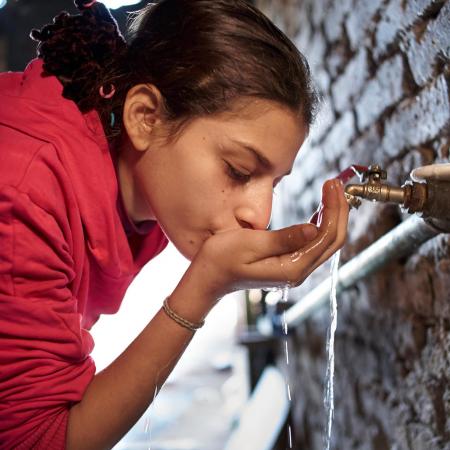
x=254, y=209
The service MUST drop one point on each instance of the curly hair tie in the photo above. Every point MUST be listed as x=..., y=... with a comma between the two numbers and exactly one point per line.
x=109, y=94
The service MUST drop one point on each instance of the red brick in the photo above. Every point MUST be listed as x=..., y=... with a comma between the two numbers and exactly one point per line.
x=315, y=52
x=350, y=83
x=309, y=165
x=383, y=91
x=318, y=8
x=334, y=19
x=391, y=22
x=338, y=139
x=418, y=119
x=432, y=49
x=441, y=283
x=337, y=58
x=417, y=284
x=360, y=22
x=322, y=80
x=366, y=150
x=399, y=16
x=325, y=118
x=305, y=31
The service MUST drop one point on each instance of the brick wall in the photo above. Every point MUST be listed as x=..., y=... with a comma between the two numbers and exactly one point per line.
x=383, y=69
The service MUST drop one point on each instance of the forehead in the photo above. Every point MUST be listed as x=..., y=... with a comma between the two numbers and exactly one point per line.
x=247, y=112
x=251, y=108
x=265, y=124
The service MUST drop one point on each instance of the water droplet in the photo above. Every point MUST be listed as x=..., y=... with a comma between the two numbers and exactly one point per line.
x=295, y=256
x=289, y=392
x=290, y=436
x=287, y=352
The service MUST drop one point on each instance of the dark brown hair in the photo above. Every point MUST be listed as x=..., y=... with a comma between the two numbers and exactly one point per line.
x=201, y=54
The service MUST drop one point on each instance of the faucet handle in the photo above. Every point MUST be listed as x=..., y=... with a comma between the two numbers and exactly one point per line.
x=375, y=173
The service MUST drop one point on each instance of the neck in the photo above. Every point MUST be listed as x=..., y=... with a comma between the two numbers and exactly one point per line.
x=131, y=196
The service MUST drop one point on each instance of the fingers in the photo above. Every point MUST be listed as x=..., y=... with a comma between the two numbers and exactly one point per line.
x=329, y=239
x=281, y=242
x=295, y=266
x=341, y=231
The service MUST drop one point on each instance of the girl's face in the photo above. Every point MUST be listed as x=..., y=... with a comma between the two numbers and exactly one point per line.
x=218, y=175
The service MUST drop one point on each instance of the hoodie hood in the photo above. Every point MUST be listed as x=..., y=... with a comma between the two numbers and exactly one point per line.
x=33, y=104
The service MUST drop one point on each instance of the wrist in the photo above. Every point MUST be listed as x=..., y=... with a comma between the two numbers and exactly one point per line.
x=191, y=300
x=179, y=319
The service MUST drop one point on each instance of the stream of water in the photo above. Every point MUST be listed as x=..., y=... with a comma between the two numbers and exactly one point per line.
x=329, y=378
x=285, y=330
x=147, y=427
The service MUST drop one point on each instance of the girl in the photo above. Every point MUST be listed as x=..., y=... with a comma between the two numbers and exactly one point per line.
x=109, y=149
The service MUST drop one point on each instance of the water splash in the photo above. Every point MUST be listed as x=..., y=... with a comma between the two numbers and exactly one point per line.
x=329, y=386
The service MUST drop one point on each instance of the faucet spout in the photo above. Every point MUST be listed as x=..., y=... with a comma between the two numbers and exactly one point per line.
x=378, y=192
x=375, y=190
x=411, y=196
x=430, y=198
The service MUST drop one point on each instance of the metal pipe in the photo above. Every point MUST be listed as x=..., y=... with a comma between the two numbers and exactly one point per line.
x=400, y=241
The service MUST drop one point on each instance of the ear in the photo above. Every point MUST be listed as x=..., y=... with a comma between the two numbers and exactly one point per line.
x=142, y=114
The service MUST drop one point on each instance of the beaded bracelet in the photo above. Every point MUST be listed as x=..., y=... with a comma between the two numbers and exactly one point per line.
x=179, y=320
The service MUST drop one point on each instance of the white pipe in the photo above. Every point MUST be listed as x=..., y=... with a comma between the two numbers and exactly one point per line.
x=400, y=241
x=431, y=172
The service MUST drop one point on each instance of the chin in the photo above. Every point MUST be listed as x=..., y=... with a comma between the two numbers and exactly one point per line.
x=187, y=243
x=189, y=253
x=188, y=248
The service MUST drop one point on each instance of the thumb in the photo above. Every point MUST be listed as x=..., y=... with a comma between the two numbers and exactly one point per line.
x=286, y=240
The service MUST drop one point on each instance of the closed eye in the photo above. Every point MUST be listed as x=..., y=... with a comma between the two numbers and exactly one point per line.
x=237, y=175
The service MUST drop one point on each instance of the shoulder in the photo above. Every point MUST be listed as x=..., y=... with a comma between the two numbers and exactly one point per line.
x=33, y=167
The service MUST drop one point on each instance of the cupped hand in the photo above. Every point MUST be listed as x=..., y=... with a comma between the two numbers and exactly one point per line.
x=243, y=259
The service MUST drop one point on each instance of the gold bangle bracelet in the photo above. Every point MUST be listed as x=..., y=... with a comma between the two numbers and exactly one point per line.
x=179, y=320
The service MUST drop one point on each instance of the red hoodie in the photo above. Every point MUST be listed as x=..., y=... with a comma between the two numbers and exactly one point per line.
x=65, y=256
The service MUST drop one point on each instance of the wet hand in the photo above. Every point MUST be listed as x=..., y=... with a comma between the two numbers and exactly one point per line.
x=244, y=258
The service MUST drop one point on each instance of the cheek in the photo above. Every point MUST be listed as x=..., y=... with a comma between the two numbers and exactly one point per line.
x=195, y=198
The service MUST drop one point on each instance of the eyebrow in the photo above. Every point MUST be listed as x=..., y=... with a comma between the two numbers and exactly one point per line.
x=258, y=155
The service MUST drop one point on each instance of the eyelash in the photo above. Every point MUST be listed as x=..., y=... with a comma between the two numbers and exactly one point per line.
x=236, y=175
x=241, y=177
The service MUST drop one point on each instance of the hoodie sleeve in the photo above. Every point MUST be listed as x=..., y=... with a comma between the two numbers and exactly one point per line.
x=45, y=365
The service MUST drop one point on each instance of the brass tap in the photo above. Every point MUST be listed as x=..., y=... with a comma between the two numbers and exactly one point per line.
x=412, y=196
